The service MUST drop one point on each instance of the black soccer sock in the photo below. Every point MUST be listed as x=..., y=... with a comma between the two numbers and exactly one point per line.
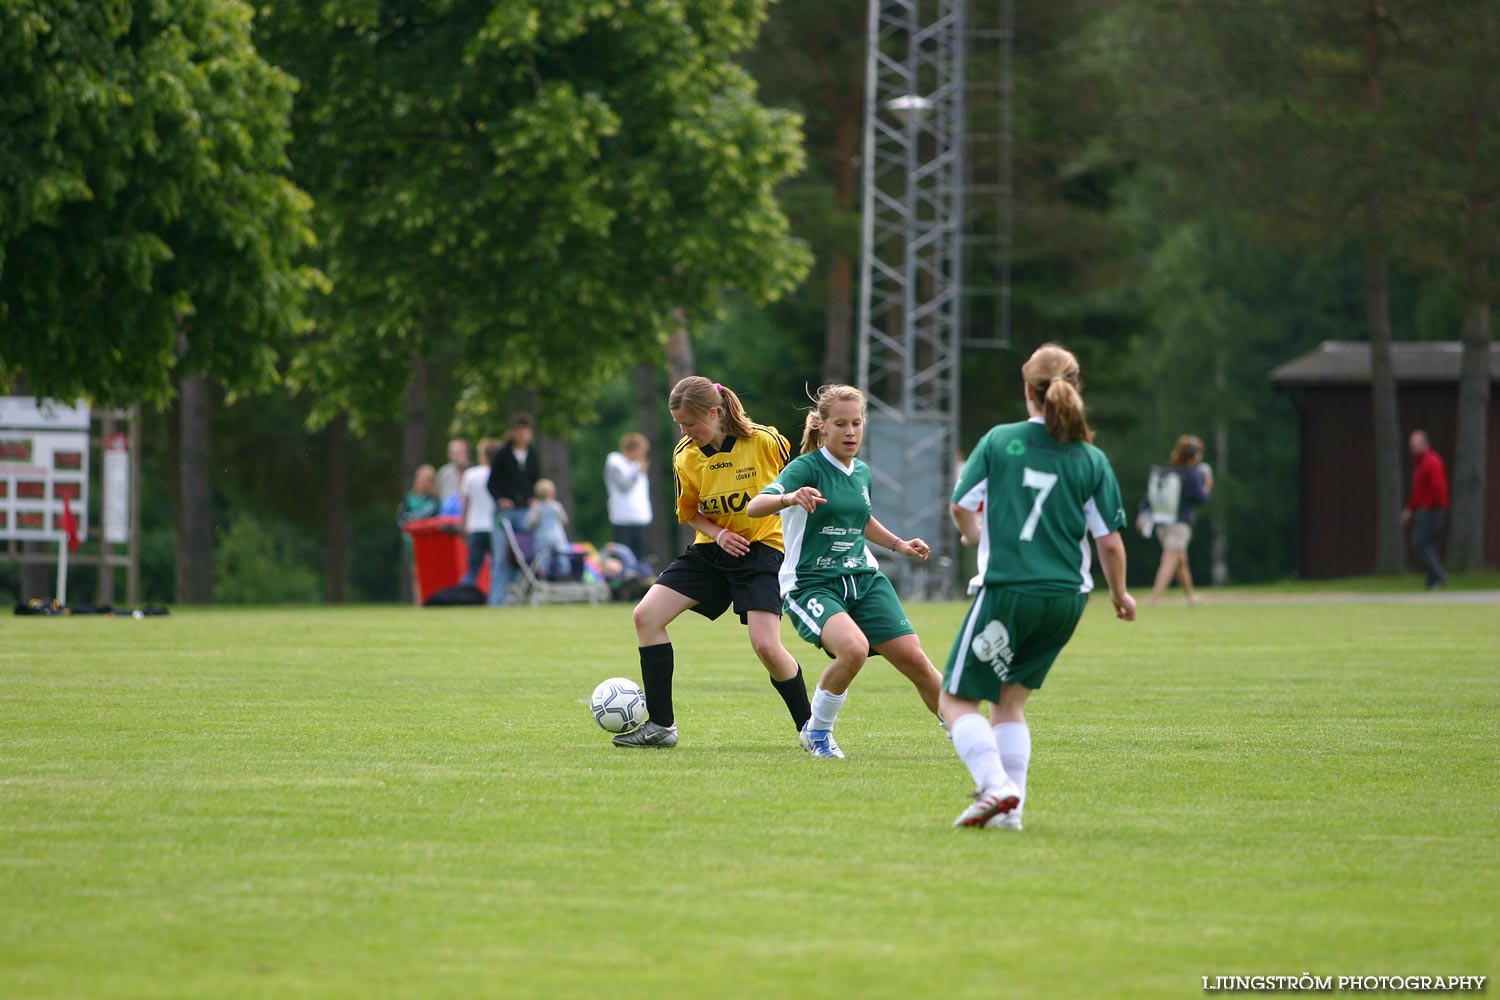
x=656, y=678
x=793, y=691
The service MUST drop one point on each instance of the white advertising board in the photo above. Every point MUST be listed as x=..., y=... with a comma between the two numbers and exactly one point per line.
x=116, y=481
x=44, y=459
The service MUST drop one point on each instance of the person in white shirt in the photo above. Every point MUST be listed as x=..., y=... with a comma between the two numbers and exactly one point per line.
x=629, y=484
x=478, y=509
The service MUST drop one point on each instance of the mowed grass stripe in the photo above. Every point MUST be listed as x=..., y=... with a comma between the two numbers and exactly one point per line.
x=401, y=802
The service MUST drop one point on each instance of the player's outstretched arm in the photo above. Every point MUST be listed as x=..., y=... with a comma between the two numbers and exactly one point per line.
x=764, y=504
x=879, y=534
x=1112, y=561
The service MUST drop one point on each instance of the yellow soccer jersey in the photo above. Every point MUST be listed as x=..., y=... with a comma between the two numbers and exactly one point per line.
x=720, y=483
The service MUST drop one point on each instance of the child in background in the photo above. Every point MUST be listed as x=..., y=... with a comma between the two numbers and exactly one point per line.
x=547, y=521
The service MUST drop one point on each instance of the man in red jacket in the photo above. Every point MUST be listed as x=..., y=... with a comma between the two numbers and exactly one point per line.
x=1427, y=506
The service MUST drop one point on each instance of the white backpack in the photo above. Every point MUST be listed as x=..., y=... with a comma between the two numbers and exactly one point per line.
x=1164, y=494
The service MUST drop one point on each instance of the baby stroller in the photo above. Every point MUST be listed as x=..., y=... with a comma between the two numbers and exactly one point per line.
x=536, y=583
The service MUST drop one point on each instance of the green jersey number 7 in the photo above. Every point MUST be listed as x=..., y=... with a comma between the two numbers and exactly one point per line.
x=1042, y=482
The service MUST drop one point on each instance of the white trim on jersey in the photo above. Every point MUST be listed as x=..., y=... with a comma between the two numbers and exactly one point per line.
x=807, y=619
x=793, y=535
x=1095, y=520
x=973, y=500
x=847, y=470
x=965, y=638
x=1097, y=528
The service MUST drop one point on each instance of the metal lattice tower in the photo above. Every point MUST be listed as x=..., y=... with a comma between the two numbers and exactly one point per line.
x=913, y=281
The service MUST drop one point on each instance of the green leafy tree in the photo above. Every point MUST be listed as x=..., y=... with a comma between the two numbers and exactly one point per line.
x=811, y=57
x=1220, y=307
x=1304, y=120
x=528, y=187
x=1448, y=219
x=148, y=229
x=145, y=197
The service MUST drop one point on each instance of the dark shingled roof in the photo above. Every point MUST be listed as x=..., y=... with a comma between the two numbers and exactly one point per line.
x=1347, y=362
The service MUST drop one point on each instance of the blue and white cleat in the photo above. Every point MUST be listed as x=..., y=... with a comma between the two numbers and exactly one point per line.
x=819, y=743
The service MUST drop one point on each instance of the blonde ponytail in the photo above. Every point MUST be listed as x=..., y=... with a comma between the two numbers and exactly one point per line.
x=736, y=420
x=698, y=395
x=1052, y=373
x=823, y=400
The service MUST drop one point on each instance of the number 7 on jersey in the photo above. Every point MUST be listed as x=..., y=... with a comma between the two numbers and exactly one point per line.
x=1043, y=483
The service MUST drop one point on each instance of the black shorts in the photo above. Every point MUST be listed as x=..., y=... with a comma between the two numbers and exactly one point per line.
x=716, y=579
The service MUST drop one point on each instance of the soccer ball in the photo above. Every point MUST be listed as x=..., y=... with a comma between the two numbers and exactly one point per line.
x=618, y=704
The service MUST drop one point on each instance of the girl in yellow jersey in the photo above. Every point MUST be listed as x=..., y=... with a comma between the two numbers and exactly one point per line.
x=722, y=461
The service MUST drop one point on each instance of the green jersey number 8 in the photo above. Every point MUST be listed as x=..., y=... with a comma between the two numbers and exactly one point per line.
x=1043, y=483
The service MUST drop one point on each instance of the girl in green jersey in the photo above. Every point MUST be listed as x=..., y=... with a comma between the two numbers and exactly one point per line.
x=1029, y=495
x=831, y=585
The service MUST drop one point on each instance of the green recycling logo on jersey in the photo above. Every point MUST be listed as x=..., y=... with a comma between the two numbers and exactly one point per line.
x=1015, y=446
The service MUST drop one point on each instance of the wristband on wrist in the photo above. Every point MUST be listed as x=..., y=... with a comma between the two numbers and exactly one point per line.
x=720, y=535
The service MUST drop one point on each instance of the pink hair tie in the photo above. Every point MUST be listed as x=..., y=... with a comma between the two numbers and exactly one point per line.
x=718, y=388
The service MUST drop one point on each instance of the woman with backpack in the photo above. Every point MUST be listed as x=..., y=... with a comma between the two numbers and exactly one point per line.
x=1195, y=483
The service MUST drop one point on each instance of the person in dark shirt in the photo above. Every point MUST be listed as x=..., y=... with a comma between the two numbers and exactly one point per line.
x=1197, y=483
x=1427, y=507
x=514, y=470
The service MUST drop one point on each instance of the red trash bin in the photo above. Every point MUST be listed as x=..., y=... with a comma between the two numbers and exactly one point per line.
x=441, y=552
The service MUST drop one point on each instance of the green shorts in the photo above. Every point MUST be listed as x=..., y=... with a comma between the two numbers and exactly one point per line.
x=869, y=599
x=1010, y=638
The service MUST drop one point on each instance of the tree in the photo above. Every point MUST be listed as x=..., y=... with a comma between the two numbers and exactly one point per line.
x=536, y=185
x=146, y=195
x=149, y=231
x=1449, y=220
x=1236, y=93
x=1219, y=308
x=811, y=57
x=1376, y=191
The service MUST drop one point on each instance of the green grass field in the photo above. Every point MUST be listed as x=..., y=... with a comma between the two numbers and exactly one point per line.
x=393, y=802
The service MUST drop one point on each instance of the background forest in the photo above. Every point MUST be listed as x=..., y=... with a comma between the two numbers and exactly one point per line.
x=316, y=241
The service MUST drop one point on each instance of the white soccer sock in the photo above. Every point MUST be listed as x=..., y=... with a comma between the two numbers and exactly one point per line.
x=975, y=743
x=1013, y=739
x=825, y=708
